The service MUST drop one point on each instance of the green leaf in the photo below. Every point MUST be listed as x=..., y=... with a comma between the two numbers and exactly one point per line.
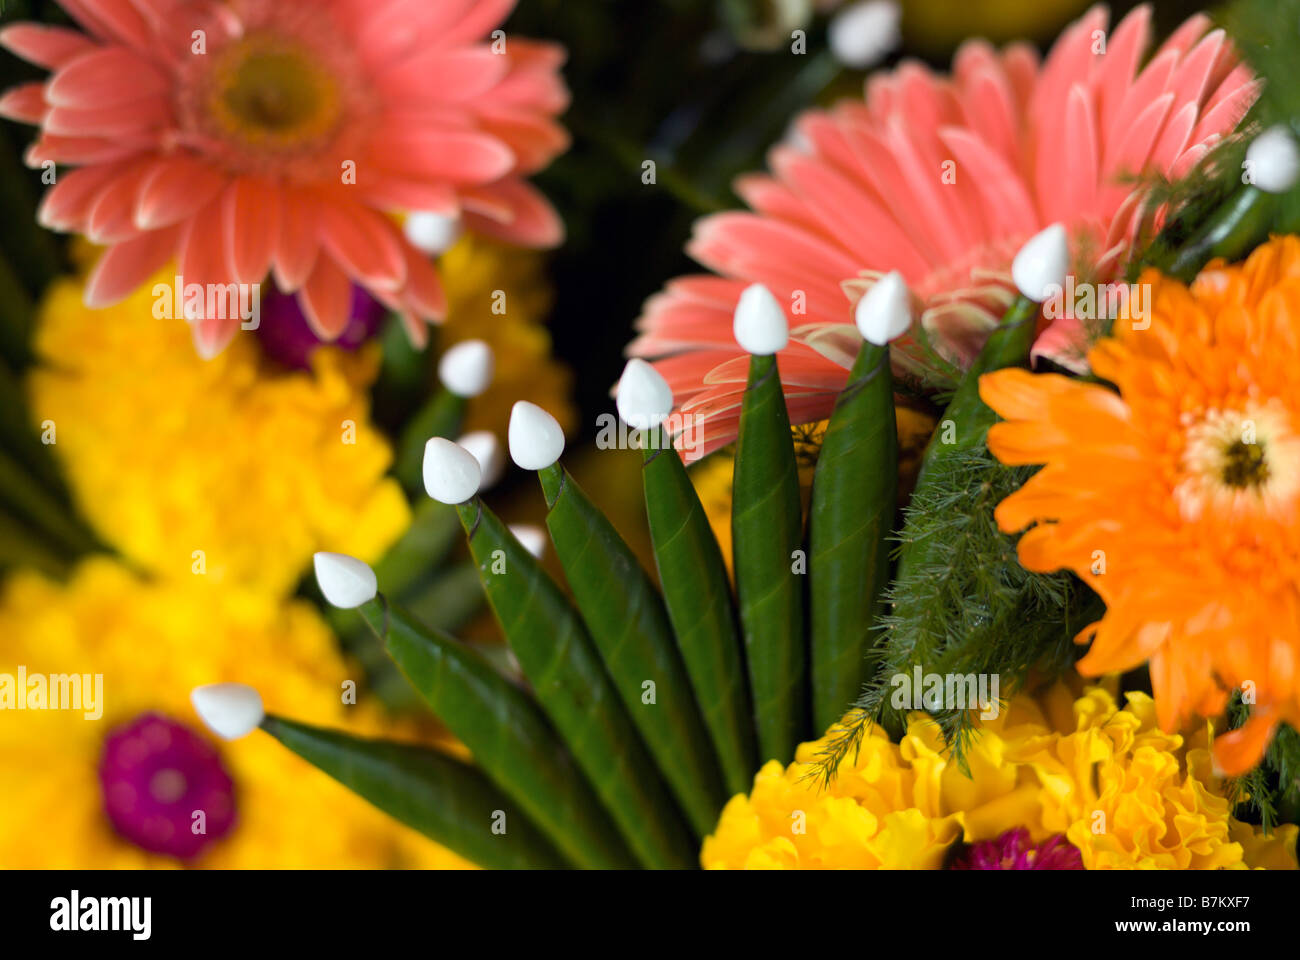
x=969, y=416
x=428, y=541
x=511, y=740
x=627, y=620
x=441, y=416
x=448, y=801
x=1235, y=228
x=854, y=494
x=766, y=526
x=569, y=680
x=450, y=600
x=698, y=597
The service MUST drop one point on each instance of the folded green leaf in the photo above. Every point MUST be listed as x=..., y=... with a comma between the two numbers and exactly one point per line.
x=441, y=416
x=627, y=620
x=967, y=418
x=511, y=740
x=433, y=532
x=766, y=527
x=450, y=600
x=698, y=597
x=1237, y=227
x=558, y=658
x=448, y=801
x=854, y=494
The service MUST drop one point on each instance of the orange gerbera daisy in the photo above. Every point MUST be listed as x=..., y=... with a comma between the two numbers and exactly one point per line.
x=250, y=136
x=1178, y=498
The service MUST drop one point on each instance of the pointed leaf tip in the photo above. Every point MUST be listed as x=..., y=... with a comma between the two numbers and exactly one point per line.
x=466, y=368
x=885, y=313
x=1039, y=268
x=345, y=581
x=430, y=232
x=644, y=398
x=1273, y=160
x=489, y=452
x=760, y=325
x=230, y=710
x=452, y=474
x=862, y=34
x=536, y=440
x=531, y=536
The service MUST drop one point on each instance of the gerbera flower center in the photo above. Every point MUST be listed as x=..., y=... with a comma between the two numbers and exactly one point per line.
x=165, y=788
x=272, y=93
x=1235, y=460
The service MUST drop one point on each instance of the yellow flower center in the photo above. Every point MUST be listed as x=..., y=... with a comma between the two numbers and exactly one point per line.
x=271, y=93
x=1236, y=461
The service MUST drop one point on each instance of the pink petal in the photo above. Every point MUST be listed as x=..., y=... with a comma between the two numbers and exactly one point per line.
x=326, y=299
x=364, y=243
x=125, y=266
x=251, y=208
x=533, y=221
x=49, y=47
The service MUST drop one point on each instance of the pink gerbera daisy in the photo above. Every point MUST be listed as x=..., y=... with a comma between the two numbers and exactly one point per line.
x=942, y=179
x=250, y=136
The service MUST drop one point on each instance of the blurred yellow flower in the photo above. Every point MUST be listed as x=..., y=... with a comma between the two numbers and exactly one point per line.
x=169, y=455
x=153, y=642
x=1122, y=792
x=500, y=294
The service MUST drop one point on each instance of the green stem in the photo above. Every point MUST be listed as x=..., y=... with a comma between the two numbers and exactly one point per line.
x=697, y=594
x=448, y=801
x=766, y=524
x=627, y=620
x=558, y=658
x=854, y=495
x=505, y=731
x=441, y=416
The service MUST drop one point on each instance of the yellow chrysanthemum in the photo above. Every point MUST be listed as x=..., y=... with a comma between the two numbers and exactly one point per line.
x=154, y=642
x=499, y=294
x=168, y=454
x=1123, y=793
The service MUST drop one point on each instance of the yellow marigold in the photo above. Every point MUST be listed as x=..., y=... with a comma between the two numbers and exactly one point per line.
x=499, y=294
x=153, y=642
x=1107, y=780
x=168, y=454
x=1177, y=496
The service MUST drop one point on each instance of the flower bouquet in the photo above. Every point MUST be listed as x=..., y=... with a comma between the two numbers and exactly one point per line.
x=967, y=527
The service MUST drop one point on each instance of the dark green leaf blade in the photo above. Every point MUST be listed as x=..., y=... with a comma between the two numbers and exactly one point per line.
x=511, y=740
x=448, y=801
x=559, y=659
x=855, y=488
x=625, y=617
x=697, y=594
x=766, y=526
